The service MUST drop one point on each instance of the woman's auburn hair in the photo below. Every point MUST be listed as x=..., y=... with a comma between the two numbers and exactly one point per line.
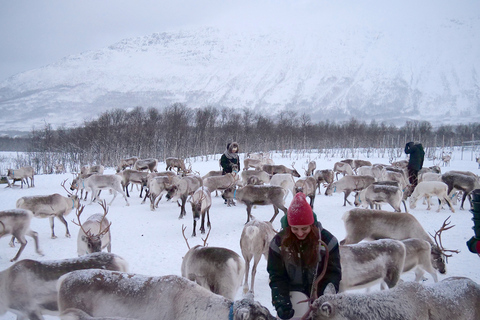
x=290, y=246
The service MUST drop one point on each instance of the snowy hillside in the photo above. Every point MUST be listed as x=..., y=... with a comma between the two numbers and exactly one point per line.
x=153, y=244
x=390, y=62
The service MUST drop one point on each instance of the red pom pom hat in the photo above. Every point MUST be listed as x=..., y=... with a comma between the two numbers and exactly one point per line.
x=300, y=213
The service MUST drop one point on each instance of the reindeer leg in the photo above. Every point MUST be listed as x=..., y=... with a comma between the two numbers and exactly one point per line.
x=275, y=208
x=249, y=210
x=194, y=234
x=62, y=219
x=247, y=269
x=34, y=235
x=208, y=219
x=52, y=226
x=12, y=241
x=23, y=243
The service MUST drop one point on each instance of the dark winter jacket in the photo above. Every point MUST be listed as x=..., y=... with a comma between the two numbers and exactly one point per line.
x=286, y=276
x=417, y=155
x=229, y=159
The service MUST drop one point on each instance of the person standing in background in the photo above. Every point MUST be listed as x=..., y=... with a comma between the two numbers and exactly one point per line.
x=415, y=163
x=230, y=161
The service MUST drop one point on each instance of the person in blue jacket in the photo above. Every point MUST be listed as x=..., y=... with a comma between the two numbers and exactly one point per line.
x=296, y=258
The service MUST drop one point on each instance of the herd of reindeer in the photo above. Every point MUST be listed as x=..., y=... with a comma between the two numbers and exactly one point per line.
x=96, y=285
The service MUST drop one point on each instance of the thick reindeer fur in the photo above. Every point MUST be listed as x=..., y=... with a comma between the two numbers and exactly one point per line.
x=323, y=176
x=418, y=257
x=367, y=263
x=462, y=182
x=50, y=206
x=94, y=242
x=17, y=223
x=375, y=194
x=343, y=168
x=254, y=241
x=103, y=293
x=348, y=184
x=28, y=288
x=219, y=270
x=279, y=168
x=307, y=185
x=431, y=188
x=252, y=195
x=366, y=224
x=284, y=180
x=453, y=298
x=181, y=189
x=260, y=174
x=201, y=202
x=149, y=164
x=77, y=314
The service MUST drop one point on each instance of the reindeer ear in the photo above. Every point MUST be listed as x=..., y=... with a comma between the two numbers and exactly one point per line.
x=330, y=289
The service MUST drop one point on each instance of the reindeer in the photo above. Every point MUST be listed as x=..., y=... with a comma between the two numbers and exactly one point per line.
x=431, y=188
x=103, y=293
x=378, y=192
x=98, y=182
x=51, y=206
x=149, y=164
x=262, y=176
x=312, y=165
x=366, y=263
x=274, y=169
x=17, y=223
x=126, y=163
x=254, y=241
x=343, y=168
x=348, y=184
x=418, y=257
x=407, y=301
x=22, y=174
x=377, y=224
x=29, y=287
x=59, y=168
x=135, y=177
x=182, y=188
x=94, y=234
x=201, y=202
x=252, y=195
x=284, y=180
x=217, y=269
x=323, y=176
x=307, y=185
x=254, y=163
x=156, y=186
x=177, y=163
x=463, y=182
x=446, y=157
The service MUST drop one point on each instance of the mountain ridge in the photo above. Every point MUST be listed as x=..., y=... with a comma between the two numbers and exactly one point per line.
x=329, y=73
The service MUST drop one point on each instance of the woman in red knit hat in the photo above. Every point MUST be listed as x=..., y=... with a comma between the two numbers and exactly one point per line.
x=296, y=258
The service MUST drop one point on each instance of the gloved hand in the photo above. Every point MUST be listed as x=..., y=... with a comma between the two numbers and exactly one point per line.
x=285, y=312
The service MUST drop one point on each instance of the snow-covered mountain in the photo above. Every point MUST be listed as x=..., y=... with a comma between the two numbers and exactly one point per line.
x=426, y=68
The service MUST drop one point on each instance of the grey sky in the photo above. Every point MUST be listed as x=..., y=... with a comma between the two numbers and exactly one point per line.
x=35, y=33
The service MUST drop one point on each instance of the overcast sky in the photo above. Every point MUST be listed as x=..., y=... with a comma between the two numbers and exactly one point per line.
x=36, y=33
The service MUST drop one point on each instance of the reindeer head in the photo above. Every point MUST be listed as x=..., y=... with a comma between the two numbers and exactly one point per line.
x=439, y=253
x=94, y=240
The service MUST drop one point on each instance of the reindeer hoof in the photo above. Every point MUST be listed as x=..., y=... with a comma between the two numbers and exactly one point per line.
x=54, y=237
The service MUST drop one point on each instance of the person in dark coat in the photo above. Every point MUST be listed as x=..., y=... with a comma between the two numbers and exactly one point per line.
x=296, y=258
x=415, y=163
x=229, y=161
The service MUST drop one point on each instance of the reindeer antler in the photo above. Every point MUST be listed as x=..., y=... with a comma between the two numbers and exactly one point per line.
x=184, y=237
x=205, y=240
x=78, y=213
x=63, y=185
x=105, y=210
x=438, y=238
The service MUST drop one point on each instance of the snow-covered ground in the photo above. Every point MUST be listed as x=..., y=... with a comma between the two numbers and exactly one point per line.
x=152, y=241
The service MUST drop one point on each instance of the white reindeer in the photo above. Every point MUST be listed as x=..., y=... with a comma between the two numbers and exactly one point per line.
x=201, y=202
x=453, y=298
x=94, y=234
x=103, y=293
x=217, y=269
x=254, y=241
x=431, y=188
x=28, y=288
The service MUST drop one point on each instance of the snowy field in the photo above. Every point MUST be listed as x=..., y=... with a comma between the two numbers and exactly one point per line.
x=152, y=241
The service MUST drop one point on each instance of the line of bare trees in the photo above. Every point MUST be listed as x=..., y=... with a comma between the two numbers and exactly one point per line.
x=178, y=131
